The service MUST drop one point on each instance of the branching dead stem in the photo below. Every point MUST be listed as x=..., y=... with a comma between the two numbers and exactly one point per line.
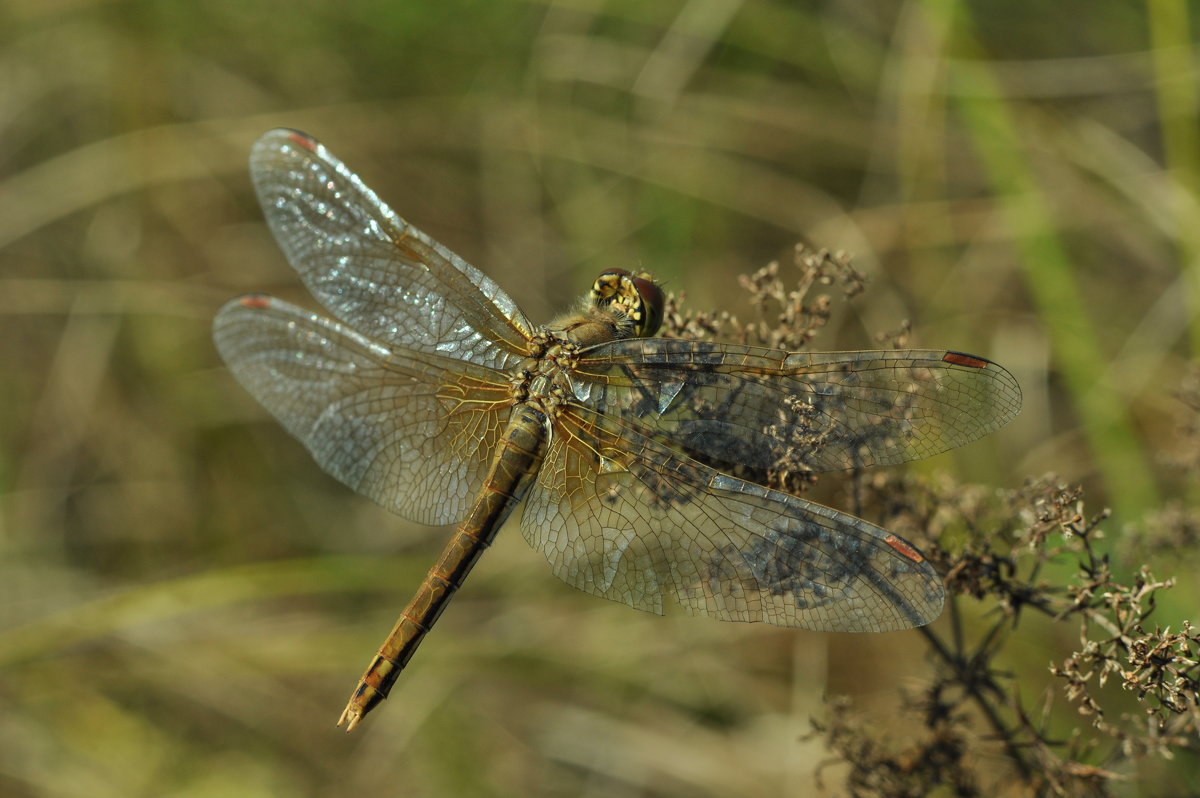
x=994, y=549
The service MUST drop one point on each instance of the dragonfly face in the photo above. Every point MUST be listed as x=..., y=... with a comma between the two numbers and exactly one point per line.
x=632, y=296
x=431, y=393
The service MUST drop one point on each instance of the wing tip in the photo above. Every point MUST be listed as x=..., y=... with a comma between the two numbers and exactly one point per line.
x=300, y=138
x=255, y=301
x=272, y=144
x=965, y=359
x=247, y=302
x=1000, y=374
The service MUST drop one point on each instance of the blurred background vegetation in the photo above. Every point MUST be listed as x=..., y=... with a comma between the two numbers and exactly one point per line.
x=186, y=600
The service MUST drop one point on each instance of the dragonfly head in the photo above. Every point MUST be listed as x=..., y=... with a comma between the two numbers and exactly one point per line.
x=636, y=295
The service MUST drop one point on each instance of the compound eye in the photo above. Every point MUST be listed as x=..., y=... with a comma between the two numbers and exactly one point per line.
x=652, y=304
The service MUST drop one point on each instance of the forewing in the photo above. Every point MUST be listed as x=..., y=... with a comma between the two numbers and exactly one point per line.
x=411, y=430
x=735, y=405
x=622, y=517
x=373, y=270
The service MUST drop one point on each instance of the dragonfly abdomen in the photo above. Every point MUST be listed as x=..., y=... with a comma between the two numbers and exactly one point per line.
x=518, y=456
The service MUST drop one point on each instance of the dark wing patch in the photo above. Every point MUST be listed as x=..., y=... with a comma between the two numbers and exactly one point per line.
x=620, y=516
x=734, y=405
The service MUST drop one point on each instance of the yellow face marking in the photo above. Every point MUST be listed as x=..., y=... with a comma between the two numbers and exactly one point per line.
x=632, y=295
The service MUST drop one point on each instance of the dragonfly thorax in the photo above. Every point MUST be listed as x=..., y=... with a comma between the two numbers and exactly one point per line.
x=543, y=380
x=619, y=305
x=590, y=325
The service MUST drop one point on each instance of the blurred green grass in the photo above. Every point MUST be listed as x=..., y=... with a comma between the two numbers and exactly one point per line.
x=187, y=600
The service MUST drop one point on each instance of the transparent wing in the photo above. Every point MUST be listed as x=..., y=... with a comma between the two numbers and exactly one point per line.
x=818, y=411
x=623, y=517
x=411, y=430
x=373, y=270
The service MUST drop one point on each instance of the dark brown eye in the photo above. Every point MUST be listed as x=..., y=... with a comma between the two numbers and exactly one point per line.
x=652, y=302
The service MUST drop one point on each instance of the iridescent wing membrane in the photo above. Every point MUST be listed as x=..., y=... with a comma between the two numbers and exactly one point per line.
x=404, y=400
x=407, y=396
x=623, y=510
x=410, y=430
x=819, y=411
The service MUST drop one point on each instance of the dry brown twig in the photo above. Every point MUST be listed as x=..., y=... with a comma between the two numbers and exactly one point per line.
x=997, y=547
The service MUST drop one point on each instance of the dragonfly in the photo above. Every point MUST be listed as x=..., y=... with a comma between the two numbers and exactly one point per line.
x=431, y=393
